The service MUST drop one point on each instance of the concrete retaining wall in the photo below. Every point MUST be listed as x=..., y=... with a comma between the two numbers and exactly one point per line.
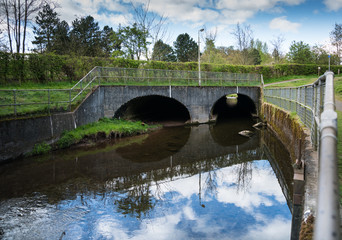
x=18, y=137
x=297, y=140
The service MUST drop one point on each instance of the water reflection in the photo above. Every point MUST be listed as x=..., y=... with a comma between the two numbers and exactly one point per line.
x=189, y=186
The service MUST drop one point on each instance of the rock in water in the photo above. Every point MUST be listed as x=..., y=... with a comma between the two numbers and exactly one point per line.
x=246, y=133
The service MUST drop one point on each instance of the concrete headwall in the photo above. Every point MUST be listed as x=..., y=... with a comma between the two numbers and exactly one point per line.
x=18, y=137
x=198, y=100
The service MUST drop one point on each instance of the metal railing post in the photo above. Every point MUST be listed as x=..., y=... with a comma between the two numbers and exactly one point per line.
x=327, y=223
x=15, y=102
x=70, y=100
x=49, y=100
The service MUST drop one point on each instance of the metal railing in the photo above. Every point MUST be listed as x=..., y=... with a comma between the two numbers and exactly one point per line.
x=305, y=101
x=315, y=106
x=15, y=102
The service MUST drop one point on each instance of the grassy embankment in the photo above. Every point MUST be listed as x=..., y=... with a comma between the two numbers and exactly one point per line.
x=338, y=96
x=92, y=133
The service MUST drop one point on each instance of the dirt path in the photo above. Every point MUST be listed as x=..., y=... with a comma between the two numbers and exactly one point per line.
x=275, y=83
x=338, y=105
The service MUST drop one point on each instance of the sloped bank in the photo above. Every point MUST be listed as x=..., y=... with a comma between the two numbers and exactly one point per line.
x=296, y=137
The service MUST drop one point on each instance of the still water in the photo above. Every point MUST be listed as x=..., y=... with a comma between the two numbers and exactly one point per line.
x=200, y=182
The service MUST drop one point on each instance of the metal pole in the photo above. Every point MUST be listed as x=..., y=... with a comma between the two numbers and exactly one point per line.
x=15, y=102
x=327, y=224
x=199, y=57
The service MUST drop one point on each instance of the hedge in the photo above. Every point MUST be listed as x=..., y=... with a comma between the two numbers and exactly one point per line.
x=52, y=67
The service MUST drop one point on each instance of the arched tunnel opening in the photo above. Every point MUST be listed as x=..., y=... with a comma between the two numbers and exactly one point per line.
x=232, y=107
x=154, y=109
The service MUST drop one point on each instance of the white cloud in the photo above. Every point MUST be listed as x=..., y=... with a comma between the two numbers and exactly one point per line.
x=190, y=11
x=284, y=25
x=276, y=229
x=333, y=5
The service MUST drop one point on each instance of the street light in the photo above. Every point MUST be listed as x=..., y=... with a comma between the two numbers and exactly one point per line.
x=199, y=57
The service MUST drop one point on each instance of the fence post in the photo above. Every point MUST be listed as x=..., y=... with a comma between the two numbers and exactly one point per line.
x=15, y=102
x=49, y=100
x=70, y=100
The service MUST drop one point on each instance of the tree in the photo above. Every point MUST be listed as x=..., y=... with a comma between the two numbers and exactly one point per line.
x=61, y=39
x=85, y=37
x=133, y=41
x=163, y=52
x=243, y=37
x=186, y=48
x=336, y=38
x=47, y=22
x=16, y=14
x=151, y=23
x=300, y=53
x=321, y=56
x=106, y=41
x=277, y=44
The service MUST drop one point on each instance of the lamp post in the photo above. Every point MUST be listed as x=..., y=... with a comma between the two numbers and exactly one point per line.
x=199, y=57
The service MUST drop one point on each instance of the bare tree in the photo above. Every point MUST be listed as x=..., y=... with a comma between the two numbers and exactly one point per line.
x=210, y=38
x=277, y=44
x=151, y=22
x=243, y=37
x=17, y=14
x=336, y=38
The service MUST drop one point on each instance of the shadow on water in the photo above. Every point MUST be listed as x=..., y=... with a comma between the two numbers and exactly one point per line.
x=146, y=177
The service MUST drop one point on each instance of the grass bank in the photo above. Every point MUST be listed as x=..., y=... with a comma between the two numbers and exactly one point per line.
x=95, y=132
x=105, y=128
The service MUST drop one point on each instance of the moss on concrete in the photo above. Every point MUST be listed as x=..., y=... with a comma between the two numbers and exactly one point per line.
x=288, y=128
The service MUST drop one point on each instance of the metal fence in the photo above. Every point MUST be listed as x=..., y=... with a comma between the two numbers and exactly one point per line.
x=315, y=105
x=21, y=102
x=306, y=101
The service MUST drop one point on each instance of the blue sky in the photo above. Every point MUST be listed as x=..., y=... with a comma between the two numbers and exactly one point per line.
x=295, y=20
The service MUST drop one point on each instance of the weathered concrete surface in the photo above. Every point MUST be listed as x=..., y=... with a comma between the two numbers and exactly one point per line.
x=297, y=140
x=18, y=137
x=198, y=100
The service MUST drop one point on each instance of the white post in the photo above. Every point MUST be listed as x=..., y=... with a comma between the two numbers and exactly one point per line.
x=199, y=57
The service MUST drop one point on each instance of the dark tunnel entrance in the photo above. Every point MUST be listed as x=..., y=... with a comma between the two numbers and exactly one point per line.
x=231, y=107
x=154, y=109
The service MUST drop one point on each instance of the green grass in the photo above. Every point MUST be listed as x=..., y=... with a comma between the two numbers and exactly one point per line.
x=33, y=99
x=105, y=126
x=339, y=150
x=285, y=78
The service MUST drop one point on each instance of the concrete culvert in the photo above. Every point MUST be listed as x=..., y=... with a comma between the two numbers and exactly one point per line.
x=233, y=106
x=155, y=109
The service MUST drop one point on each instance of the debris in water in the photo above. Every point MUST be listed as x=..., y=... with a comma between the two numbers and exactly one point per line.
x=246, y=133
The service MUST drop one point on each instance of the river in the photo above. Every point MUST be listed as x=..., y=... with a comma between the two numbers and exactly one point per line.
x=198, y=182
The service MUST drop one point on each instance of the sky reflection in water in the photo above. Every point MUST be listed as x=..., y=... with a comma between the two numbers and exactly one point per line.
x=224, y=195
x=256, y=210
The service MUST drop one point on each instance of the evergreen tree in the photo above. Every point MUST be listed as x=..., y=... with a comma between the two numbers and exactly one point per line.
x=85, y=37
x=300, y=53
x=61, y=39
x=163, y=52
x=46, y=21
x=186, y=48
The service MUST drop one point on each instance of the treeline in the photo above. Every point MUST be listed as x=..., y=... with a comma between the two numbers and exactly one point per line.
x=52, y=67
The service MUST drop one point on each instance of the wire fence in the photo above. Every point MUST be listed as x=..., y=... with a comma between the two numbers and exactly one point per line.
x=22, y=102
x=306, y=101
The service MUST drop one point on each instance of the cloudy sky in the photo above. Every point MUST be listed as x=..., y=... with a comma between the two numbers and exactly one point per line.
x=310, y=21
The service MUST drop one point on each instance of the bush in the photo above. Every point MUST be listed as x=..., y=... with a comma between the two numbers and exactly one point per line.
x=52, y=67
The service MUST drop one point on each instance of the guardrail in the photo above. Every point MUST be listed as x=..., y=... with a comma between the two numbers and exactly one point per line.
x=315, y=106
x=19, y=102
